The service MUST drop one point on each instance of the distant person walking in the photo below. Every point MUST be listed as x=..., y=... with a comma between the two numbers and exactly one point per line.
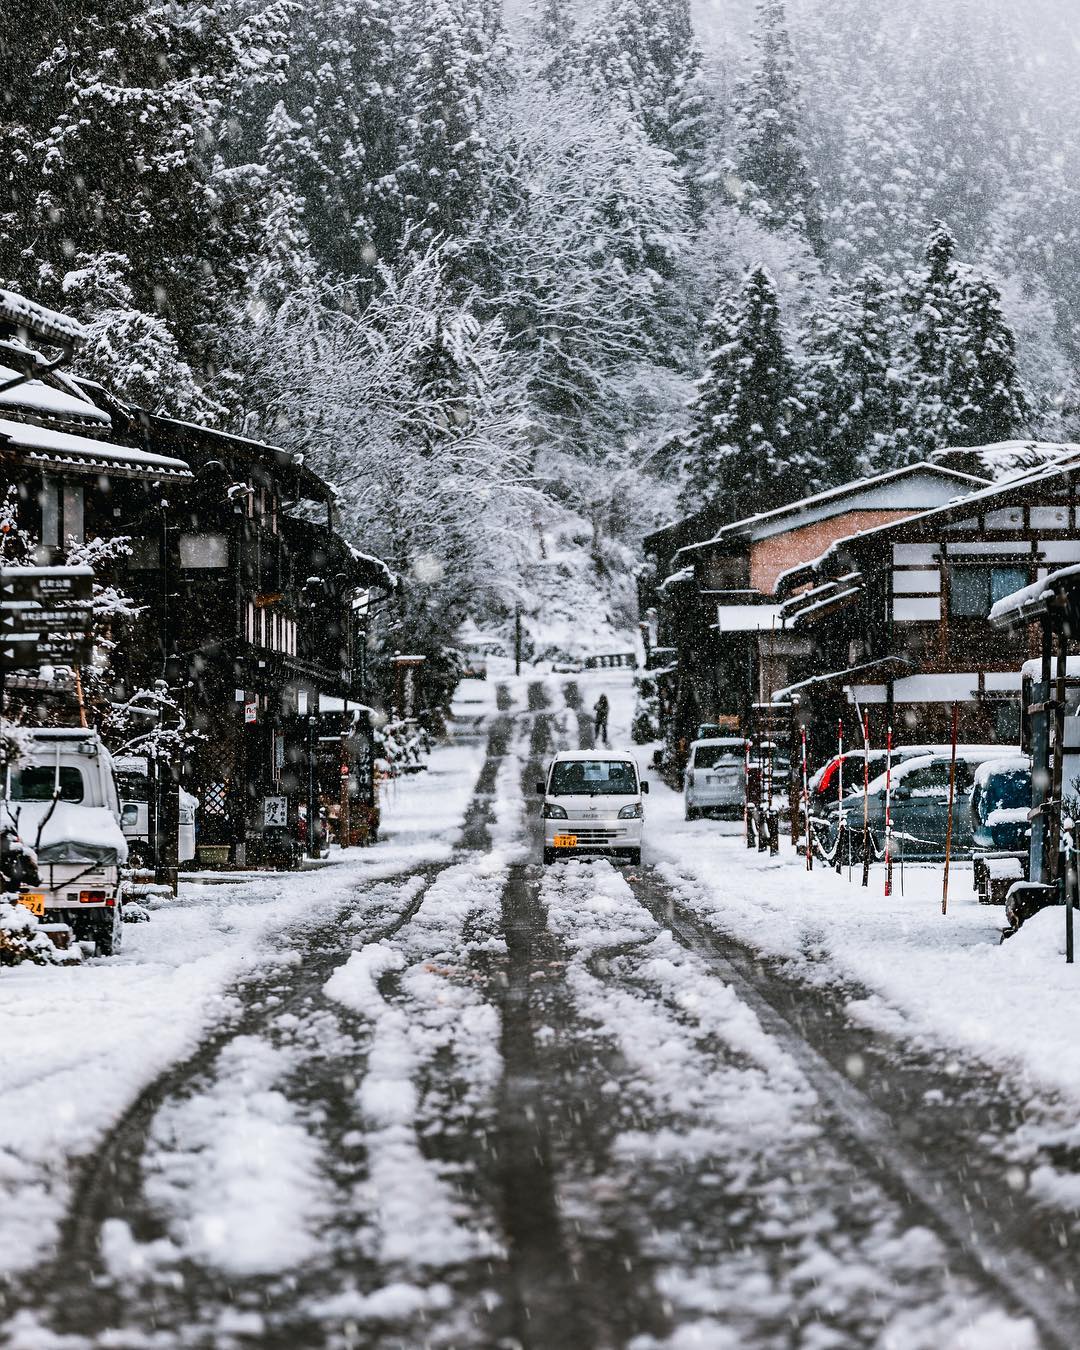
x=600, y=712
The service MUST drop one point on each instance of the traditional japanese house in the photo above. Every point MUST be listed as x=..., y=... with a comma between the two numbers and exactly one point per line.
x=895, y=618
x=256, y=612
x=719, y=617
x=66, y=477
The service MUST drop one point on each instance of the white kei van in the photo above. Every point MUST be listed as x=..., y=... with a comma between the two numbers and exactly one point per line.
x=593, y=805
x=63, y=806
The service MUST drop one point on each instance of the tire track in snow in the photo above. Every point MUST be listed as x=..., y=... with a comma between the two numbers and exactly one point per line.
x=81, y=1297
x=974, y=1231
x=568, y=1289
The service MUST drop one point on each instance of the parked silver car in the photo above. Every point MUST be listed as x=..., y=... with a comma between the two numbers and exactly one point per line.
x=715, y=779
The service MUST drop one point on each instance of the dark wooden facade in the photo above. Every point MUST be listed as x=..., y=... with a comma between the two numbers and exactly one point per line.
x=898, y=618
x=254, y=609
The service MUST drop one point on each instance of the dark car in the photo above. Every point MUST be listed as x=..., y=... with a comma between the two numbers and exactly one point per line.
x=1000, y=824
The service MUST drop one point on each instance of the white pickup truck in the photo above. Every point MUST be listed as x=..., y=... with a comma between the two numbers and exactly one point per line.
x=64, y=807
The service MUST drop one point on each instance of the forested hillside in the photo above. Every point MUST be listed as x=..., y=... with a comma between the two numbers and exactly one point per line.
x=523, y=289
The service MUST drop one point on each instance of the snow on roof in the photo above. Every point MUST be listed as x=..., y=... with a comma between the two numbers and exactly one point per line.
x=40, y=399
x=44, y=324
x=377, y=564
x=1007, y=460
x=1032, y=670
x=679, y=578
x=593, y=755
x=975, y=500
x=1014, y=607
x=1007, y=763
x=741, y=527
x=47, y=445
x=747, y=618
x=834, y=597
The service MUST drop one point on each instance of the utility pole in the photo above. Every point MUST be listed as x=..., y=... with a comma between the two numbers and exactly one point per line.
x=517, y=641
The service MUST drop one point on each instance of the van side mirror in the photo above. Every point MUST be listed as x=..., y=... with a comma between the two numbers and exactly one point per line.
x=902, y=794
x=645, y=789
x=540, y=789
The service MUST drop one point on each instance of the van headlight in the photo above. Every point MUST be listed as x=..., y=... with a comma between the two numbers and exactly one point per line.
x=633, y=812
x=553, y=812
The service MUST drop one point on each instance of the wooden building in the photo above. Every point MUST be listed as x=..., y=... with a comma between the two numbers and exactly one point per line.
x=255, y=610
x=895, y=619
x=723, y=647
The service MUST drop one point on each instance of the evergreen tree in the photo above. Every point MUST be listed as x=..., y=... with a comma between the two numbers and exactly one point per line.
x=771, y=172
x=107, y=132
x=641, y=54
x=963, y=384
x=748, y=447
x=851, y=347
x=445, y=74
x=551, y=32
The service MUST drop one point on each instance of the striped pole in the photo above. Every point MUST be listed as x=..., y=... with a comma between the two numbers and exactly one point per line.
x=888, y=813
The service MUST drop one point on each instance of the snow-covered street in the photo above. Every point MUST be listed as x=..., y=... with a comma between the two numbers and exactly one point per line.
x=438, y=1095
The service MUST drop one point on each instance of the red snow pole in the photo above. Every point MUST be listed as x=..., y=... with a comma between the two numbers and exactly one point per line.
x=840, y=830
x=866, y=800
x=746, y=795
x=888, y=813
x=806, y=806
x=952, y=799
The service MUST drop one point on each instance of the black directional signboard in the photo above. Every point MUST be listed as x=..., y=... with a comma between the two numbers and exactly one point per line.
x=28, y=651
x=45, y=584
x=36, y=619
x=44, y=617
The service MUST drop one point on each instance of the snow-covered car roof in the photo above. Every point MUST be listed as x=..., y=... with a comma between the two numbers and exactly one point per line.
x=1004, y=764
x=565, y=755
x=719, y=740
x=970, y=754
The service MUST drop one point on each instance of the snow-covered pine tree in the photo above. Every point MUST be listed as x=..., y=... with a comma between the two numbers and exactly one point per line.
x=284, y=261
x=851, y=378
x=446, y=70
x=771, y=177
x=642, y=54
x=323, y=81
x=748, y=448
x=107, y=130
x=550, y=31
x=963, y=385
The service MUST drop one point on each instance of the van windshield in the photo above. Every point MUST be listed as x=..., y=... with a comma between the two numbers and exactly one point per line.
x=593, y=777
x=38, y=782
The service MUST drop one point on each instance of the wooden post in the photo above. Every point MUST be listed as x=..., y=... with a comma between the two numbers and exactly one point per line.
x=952, y=800
x=806, y=806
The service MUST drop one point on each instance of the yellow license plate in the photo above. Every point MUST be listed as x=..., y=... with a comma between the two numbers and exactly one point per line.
x=566, y=841
x=34, y=902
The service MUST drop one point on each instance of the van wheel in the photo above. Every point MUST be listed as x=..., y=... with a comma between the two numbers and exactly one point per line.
x=549, y=856
x=109, y=932
x=691, y=813
x=634, y=857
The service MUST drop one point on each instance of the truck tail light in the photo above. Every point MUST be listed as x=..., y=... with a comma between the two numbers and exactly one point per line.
x=93, y=898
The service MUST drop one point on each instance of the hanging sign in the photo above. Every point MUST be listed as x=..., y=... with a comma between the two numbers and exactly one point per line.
x=251, y=712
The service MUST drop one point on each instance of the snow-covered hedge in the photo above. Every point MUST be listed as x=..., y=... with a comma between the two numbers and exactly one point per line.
x=21, y=938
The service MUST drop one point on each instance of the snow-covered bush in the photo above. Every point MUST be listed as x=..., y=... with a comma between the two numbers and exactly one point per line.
x=646, y=724
x=21, y=939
